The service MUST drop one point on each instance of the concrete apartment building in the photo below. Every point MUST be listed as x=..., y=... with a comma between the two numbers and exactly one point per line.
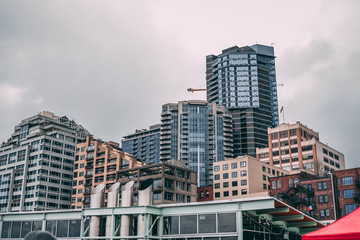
x=97, y=162
x=197, y=133
x=144, y=144
x=172, y=181
x=243, y=177
x=243, y=79
x=318, y=196
x=295, y=146
x=36, y=163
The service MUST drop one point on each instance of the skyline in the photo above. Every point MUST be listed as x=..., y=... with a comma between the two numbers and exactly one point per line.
x=54, y=57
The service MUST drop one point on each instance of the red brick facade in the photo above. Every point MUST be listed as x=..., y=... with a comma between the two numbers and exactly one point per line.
x=320, y=198
x=347, y=190
x=205, y=194
x=307, y=193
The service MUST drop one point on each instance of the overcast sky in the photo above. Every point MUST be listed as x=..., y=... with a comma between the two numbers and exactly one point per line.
x=110, y=65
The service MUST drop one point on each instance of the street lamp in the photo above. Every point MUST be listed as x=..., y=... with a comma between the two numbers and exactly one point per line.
x=333, y=192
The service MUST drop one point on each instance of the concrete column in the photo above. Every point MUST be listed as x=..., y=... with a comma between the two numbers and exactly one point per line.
x=127, y=193
x=144, y=199
x=112, y=201
x=96, y=201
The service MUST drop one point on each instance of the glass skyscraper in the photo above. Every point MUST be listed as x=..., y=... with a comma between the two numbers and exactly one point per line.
x=197, y=133
x=243, y=80
x=144, y=144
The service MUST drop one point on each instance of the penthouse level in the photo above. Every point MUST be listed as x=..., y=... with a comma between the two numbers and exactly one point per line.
x=250, y=218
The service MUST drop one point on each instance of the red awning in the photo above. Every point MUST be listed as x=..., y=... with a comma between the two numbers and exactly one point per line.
x=347, y=227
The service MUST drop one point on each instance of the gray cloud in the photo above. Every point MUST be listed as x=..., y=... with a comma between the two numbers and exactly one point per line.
x=111, y=65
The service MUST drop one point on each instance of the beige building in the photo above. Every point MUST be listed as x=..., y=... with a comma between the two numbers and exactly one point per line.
x=243, y=177
x=295, y=146
x=97, y=162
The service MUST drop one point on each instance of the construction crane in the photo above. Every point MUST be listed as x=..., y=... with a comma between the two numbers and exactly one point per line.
x=195, y=89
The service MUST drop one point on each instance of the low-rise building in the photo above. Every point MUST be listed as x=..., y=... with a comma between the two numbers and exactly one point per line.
x=250, y=218
x=306, y=192
x=243, y=177
x=295, y=146
x=315, y=196
x=347, y=190
x=96, y=162
x=172, y=181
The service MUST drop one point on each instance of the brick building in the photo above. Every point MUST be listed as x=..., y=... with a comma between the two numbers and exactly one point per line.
x=314, y=195
x=347, y=186
x=306, y=192
x=295, y=146
x=205, y=194
x=96, y=162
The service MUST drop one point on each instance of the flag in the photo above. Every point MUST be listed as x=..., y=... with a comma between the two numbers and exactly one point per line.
x=309, y=208
x=282, y=108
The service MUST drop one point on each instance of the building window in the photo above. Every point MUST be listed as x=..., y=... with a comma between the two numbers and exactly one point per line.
x=217, y=195
x=322, y=213
x=264, y=177
x=201, y=194
x=279, y=184
x=217, y=185
x=339, y=193
x=226, y=193
x=273, y=184
x=243, y=182
x=324, y=185
x=235, y=192
x=347, y=181
x=321, y=199
x=243, y=164
x=225, y=167
x=319, y=186
x=243, y=191
x=234, y=165
x=225, y=184
x=264, y=186
x=349, y=208
x=217, y=168
x=349, y=193
x=264, y=169
x=217, y=176
x=225, y=176
x=234, y=183
x=234, y=174
x=243, y=173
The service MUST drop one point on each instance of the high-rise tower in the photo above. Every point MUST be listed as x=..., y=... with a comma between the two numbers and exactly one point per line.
x=197, y=133
x=37, y=163
x=243, y=80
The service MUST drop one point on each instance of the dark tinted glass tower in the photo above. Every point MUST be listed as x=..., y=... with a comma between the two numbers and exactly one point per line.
x=243, y=80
